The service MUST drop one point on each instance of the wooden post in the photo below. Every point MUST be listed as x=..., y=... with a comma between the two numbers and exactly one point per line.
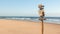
x=41, y=7
x=42, y=27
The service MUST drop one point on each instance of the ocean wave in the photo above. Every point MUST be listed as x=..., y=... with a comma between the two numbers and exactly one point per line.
x=36, y=19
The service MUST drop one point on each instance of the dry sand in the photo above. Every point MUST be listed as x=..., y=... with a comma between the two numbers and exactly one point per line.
x=27, y=27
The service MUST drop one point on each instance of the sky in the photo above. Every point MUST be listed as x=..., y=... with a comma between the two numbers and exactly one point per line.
x=29, y=7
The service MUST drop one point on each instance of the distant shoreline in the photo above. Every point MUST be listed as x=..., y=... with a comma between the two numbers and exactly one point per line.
x=32, y=21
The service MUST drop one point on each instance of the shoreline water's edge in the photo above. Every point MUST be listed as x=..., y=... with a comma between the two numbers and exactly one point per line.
x=32, y=21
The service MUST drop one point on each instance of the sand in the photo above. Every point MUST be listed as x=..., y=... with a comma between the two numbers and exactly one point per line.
x=27, y=27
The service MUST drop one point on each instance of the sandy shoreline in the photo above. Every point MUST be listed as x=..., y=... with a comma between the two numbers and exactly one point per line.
x=27, y=27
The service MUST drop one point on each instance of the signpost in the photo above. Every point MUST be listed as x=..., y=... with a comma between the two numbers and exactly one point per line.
x=41, y=14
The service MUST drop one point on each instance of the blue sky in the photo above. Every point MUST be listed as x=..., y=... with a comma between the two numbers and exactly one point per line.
x=29, y=7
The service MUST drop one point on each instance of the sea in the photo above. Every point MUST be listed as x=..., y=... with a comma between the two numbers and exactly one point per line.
x=55, y=20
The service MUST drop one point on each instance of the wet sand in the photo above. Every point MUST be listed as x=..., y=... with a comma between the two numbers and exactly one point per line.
x=27, y=27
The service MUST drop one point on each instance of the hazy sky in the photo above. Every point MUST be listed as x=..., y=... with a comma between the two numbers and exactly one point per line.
x=28, y=7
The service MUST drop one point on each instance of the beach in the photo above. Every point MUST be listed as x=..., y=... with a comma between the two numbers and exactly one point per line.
x=27, y=27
